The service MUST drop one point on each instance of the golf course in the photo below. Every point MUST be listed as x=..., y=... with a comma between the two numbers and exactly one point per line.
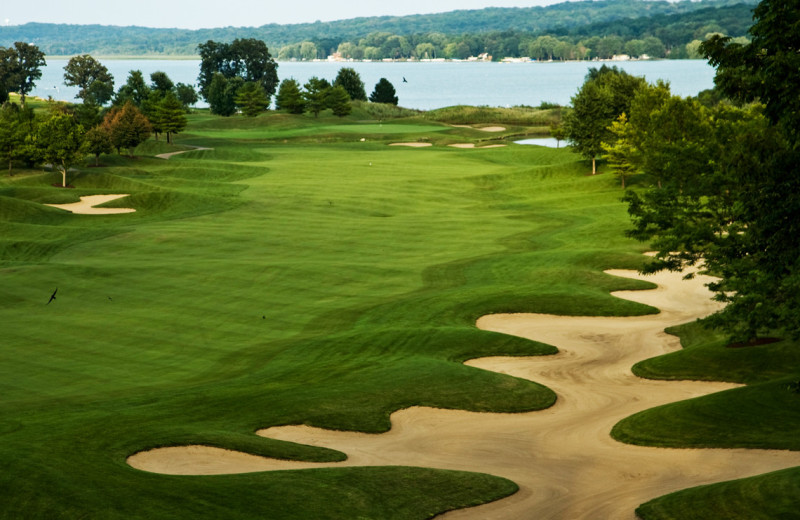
x=295, y=319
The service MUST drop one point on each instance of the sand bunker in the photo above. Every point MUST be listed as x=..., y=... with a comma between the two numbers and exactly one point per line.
x=171, y=154
x=87, y=205
x=472, y=145
x=563, y=458
x=412, y=145
x=483, y=128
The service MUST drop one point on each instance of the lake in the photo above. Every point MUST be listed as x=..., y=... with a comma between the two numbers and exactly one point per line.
x=428, y=85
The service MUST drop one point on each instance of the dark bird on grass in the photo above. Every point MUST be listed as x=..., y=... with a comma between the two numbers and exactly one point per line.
x=405, y=80
x=52, y=296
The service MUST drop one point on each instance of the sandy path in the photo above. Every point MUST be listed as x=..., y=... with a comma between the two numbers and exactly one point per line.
x=563, y=459
x=171, y=154
x=87, y=205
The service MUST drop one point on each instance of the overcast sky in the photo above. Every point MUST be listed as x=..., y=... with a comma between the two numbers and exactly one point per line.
x=196, y=14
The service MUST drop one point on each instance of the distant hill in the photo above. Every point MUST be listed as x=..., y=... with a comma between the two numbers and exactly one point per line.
x=596, y=17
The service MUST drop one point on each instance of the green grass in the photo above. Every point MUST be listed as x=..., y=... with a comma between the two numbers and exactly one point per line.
x=292, y=275
x=763, y=414
x=767, y=497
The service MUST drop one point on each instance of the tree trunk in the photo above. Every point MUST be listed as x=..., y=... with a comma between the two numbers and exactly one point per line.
x=63, y=175
x=594, y=166
x=97, y=159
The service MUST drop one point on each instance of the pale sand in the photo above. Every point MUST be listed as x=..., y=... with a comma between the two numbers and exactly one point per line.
x=563, y=459
x=172, y=154
x=472, y=145
x=413, y=145
x=87, y=203
x=484, y=128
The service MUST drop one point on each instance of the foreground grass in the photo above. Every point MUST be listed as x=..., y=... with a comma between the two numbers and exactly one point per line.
x=763, y=414
x=292, y=275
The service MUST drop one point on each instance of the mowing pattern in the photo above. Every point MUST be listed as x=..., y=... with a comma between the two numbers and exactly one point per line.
x=292, y=275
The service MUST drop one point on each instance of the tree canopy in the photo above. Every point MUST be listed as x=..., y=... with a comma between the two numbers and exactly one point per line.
x=729, y=178
x=248, y=59
x=61, y=141
x=20, y=68
x=604, y=96
x=350, y=80
x=95, y=82
x=384, y=93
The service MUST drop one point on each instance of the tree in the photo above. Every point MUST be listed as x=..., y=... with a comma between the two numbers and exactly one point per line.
x=290, y=97
x=127, y=126
x=350, y=80
x=316, y=95
x=186, y=95
x=620, y=153
x=160, y=82
x=21, y=67
x=558, y=133
x=95, y=82
x=606, y=93
x=248, y=59
x=12, y=134
x=736, y=210
x=221, y=95
x=98, y=140
x=768, y=67
x=251, y=99
x=171, y=115
x=339, y=101
x=135, y=90
x=384, y=93
x=61, y=141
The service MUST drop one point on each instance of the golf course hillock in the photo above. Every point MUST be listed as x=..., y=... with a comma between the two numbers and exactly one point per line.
x=304, y=272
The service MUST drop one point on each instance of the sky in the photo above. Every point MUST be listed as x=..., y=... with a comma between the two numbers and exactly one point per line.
x=195, y=14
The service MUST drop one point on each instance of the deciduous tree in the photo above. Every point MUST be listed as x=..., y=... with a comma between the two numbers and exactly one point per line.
x=95, y=82
x=222, y=94
x=61, y=141
x=20, y=68
x=98, y=141
x=135, y=90
x=606, y=93
x=248, y=59
x=351, y=81
x=186, y=94
x=127, y=126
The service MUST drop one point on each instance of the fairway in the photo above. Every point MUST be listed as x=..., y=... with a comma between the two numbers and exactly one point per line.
x=285, y=274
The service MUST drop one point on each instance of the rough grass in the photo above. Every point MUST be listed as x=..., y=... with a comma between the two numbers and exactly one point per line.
x=280, y=280
x=519, y=115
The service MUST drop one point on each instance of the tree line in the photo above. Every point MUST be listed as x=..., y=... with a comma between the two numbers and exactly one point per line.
x=667, y=36
x=499, y=32
x=67, y=132
x=717, y=175
x=236, y=77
